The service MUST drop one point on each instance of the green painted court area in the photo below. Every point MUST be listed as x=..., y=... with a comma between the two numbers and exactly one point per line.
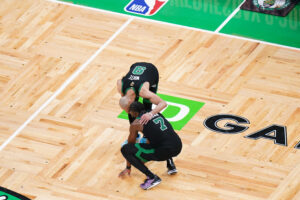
x=206, y=14
x=210, y=14
x=178, y=112
x=270, y=28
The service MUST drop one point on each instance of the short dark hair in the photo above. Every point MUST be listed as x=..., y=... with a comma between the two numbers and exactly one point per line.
x=136, y=107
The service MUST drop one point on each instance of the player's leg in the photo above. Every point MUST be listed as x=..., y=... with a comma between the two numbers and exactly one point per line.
x=137, y=154
x=171, y=167
x=153, y=87
x=163, y=153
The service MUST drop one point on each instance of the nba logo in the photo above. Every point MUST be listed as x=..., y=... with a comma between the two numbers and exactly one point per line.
x=145, y=7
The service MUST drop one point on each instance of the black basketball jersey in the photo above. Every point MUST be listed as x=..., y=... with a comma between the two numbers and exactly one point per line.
x=138, y=74
x=160, y=132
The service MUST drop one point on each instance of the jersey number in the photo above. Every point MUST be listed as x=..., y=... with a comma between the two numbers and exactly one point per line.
x=160, y=121
x=138, y=70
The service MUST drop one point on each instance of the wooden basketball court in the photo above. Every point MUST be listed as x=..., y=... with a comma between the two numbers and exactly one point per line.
x=71, y=147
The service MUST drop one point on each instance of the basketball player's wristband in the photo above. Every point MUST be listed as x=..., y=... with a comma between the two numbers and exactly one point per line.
x=128, y=167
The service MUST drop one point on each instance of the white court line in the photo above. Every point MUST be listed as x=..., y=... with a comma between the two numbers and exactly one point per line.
x=229, y=18
x=66, y=83
x=176, y=25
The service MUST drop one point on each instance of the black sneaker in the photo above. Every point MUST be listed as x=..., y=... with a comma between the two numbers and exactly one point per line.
x=150, y=183
x=171, y=167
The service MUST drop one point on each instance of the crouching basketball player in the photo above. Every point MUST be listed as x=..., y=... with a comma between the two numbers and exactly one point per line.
x=164, y=143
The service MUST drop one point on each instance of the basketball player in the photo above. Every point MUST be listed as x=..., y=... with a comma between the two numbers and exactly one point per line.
x=164, y=144
x=142, y=81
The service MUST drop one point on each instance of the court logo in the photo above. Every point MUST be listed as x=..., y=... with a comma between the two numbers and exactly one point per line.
x=6, y=194
x=271, y=4
x=237, y=124
x=178, y=112
x=145, y=7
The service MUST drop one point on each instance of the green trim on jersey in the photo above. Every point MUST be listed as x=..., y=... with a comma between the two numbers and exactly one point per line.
x=129, y=89
x=122, y=84
x=146, y=101
x=141, y=87
x=142, y=150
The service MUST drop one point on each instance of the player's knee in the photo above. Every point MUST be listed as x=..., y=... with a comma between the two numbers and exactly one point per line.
x=124, y=149
x=127, y=149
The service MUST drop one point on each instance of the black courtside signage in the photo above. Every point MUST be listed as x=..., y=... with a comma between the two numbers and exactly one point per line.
x=275, y=132
x=6, y=194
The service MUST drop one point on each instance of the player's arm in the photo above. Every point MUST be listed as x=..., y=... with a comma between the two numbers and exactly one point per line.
x=134, y=128
x=119, y=86
x=133, y=131
x=160, y=104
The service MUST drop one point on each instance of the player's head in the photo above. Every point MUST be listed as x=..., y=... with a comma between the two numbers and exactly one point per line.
x=124, y=103
x=136, y=108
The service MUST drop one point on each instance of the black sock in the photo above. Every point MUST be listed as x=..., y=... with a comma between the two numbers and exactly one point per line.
x=170, y=163
x=139, y=165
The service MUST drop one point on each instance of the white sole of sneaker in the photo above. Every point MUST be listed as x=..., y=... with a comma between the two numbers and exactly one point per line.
x=155, y=184
x=172, y=172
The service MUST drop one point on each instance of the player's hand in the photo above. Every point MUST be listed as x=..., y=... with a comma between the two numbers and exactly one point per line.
x=145, y=118
x=124, y=172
